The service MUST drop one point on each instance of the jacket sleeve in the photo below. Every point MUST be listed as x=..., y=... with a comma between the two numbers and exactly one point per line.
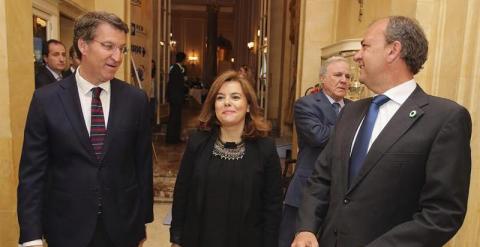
x=32, y=173
x=272, y=196
x=443, y=200
x=143, y=155
x=310, y=123
x=316, y=195
x=180, y=193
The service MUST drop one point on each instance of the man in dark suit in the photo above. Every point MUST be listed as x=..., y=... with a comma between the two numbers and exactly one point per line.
x=85, y=174
x=54, y=57
x=176, y=90
x=396, y=169
x=315, y=117
x=74, y=62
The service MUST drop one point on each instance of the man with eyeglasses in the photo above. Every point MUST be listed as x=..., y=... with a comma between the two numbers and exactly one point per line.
x=54, y=57
x=85, y=174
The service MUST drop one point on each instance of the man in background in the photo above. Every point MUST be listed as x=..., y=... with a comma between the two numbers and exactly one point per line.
x=176, y=91
x=54, y=57
x=74, y=62
x=315, y=117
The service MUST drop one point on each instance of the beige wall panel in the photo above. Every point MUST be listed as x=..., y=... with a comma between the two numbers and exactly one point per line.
x=66, y=32
x=85, y=4
x=16, y=71
x=317, y=29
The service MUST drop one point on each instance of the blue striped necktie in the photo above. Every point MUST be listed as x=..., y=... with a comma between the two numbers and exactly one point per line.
x=97, y=124
x=360, y=147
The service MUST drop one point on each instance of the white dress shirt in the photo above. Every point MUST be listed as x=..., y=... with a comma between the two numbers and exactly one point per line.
x=397, y=95
x=341, y=102
x=57, y=76
x=85, y=94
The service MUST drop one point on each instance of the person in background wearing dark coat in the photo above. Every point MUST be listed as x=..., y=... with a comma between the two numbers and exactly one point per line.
x=55, y=59
x=315, y=116
x=228, y=190
x=85, y=177
x=396, y=170
x=176, y=91
x=74, y=62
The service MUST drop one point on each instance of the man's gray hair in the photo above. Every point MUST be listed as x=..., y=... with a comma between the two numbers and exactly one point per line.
x=410, y=34
x=330, y=60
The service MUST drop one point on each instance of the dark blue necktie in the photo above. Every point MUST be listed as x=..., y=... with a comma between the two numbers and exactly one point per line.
x=360, y=147
x=337, y=107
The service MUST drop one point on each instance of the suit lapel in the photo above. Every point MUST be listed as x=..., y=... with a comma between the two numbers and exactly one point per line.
x=71, y=103
x=326, y=106
x=353, y=118
x=395, y=128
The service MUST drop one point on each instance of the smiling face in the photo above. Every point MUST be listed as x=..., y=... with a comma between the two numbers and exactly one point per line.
x=102, y=56
x=336, y=80
x=372, y=57
x=231, y=105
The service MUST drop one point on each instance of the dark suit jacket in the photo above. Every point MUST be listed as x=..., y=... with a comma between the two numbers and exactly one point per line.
x=60, y=179
x=412, y=189
x=262, y=192
x=43, y=77
x=176, y=88
x=315, y=118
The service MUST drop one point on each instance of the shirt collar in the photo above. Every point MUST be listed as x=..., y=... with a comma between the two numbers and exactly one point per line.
x=401, y=92
x=55, y=74
x=85, y=86
x=333, y=101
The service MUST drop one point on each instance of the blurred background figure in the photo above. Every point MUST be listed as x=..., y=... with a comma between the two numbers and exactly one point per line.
x=176, y=91
x=74, y=62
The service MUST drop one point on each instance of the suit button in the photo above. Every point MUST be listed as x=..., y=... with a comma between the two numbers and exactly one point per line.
x=346, y=201
x=335, y=231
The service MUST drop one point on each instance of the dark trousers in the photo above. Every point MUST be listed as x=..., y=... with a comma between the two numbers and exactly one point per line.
x=174, y=126
x=287, y=226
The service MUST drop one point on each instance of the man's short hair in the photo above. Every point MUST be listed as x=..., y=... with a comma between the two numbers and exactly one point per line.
x=330, y=60
x=72, y=53
x=180, y=57
x=46, y=47
x=86, y=26
x=414, y=42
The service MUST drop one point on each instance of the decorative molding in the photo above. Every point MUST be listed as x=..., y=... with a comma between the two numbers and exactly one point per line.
x=341, y=47
x=71, y=9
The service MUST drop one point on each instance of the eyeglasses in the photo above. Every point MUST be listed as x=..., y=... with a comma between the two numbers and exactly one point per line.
x=111, y=47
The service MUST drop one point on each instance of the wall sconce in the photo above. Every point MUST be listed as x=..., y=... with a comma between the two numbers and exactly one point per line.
x=250, y=45
x=232, y=60
x=193, y=58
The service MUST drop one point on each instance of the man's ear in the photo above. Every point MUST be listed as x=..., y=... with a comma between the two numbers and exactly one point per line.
x=82, y=46
x=394, y=51
x=44, y=57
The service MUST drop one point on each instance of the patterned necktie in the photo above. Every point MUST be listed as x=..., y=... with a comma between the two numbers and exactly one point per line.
x=336, y=107
x=97, y=124
x=360, y=147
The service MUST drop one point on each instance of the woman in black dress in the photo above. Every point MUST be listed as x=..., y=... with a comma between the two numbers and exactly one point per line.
x=228, y=190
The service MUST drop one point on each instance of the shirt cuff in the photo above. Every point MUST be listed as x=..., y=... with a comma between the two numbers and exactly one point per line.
x=32, y=243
